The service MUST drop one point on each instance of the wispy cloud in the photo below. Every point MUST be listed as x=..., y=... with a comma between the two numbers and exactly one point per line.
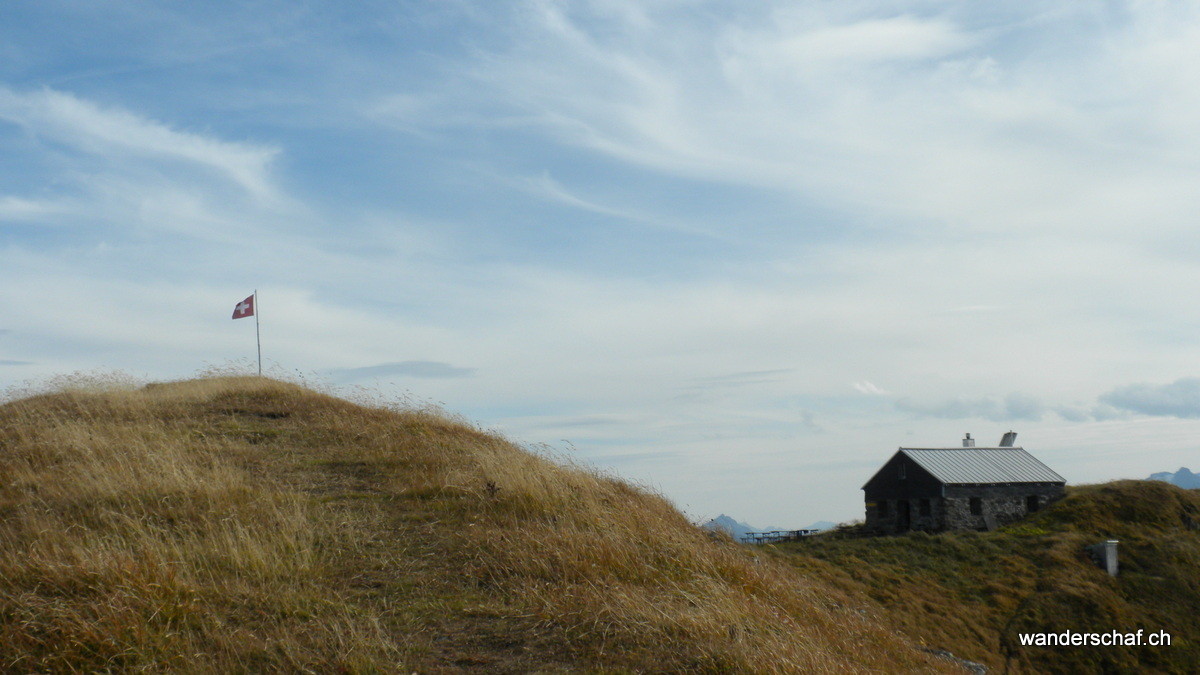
x=1013, y=407
x=418, y=369
x=869, y=388
x=29, y=210
x=65, y=118
x=547, y=187
x=861, y=107
x=865, y=42
x=974, y=309
x=741, y=379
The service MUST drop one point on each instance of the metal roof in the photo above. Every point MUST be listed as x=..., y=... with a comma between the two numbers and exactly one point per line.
x=957, y=466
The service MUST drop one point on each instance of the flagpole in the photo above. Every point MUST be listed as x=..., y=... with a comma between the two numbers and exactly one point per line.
x=257, y=335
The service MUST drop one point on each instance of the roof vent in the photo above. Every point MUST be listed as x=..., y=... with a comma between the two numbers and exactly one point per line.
x=968, y=442
x=1009, y=439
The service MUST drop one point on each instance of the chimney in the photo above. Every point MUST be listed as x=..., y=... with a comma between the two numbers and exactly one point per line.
x=1009, y=439
x=968, y=442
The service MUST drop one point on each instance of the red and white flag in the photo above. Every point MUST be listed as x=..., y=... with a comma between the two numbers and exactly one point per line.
x=244, y=308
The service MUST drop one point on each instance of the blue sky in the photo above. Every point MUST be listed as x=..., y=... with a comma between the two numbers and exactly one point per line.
x=738, y=252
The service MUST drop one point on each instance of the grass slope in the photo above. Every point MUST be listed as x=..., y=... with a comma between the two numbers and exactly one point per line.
x=246, y=524
x=972, y=593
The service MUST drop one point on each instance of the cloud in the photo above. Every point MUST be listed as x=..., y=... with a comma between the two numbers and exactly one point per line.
x=117, y=190
x=65, y=118
x=547, y=188
x=591, y=421
x=808, y=421
x=741, y=379
x=1103, y=413
x=869, y=388
x=1019, y=406
x=11, y=362
x=420, y=369
x=902, y=38
x=28, y=210
x=866, y=108
x=973, y=309
x=1099, y=412
x=1013, y=407
x=611, y=459
x=1073, y=414
x=1180, y=398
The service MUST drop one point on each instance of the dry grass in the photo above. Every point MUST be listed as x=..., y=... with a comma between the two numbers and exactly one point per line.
x=244, y=524
x=972, y=593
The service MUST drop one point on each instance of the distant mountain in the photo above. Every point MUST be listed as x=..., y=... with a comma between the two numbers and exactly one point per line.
x=736, y=529
x=1184, y=478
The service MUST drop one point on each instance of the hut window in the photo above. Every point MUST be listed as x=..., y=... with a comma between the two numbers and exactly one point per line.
x=976, y=506
x=1031, y=503
x=883, y=510
x=924, y=507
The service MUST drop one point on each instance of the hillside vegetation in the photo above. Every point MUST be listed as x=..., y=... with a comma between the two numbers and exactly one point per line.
x=247, y=525
x=972, y=593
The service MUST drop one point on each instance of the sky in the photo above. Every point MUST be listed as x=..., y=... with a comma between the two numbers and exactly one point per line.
x=736, y=252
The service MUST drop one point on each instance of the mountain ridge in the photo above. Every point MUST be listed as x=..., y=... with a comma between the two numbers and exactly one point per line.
x=1183, y=478
x=738, y=529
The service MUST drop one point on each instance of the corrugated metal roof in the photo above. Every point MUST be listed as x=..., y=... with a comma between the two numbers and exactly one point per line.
x=982, y=465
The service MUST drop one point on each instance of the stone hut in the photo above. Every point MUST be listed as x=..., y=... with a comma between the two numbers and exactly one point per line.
x=967, y=488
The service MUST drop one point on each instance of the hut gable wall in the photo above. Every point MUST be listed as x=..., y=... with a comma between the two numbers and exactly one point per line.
x=917, y=483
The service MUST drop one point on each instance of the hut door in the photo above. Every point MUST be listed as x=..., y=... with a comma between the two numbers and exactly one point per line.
x=903, y=516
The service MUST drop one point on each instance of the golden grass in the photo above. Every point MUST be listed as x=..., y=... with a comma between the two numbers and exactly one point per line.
x=244, y=524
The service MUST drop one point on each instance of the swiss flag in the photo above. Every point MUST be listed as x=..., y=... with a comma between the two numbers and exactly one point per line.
x=244, y=308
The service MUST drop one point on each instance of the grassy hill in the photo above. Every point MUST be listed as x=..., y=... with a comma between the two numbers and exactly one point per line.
x=245, y=525
x=973, y=593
